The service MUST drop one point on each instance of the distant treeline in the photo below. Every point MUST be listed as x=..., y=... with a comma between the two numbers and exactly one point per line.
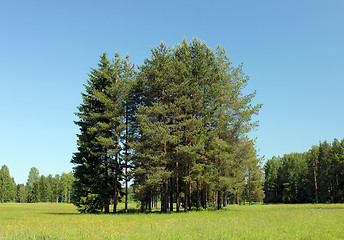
x=309, y=177
x=38, y=188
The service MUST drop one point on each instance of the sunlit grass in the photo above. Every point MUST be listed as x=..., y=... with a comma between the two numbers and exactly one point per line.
x=62, y=221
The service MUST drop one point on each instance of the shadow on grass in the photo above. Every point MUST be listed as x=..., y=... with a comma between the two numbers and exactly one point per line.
x=61, y=214
x=157, y=211
x=135, y=211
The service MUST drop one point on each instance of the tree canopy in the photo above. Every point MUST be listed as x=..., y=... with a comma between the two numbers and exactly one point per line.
x=177, y=125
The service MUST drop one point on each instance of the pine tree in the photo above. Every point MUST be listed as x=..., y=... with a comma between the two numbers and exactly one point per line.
x=128, y=87
x=43, y=189
x=324, y=166
x=32, y=186
x=253, y=175
x=337, y=172
x=193, y=114
x=153, y=151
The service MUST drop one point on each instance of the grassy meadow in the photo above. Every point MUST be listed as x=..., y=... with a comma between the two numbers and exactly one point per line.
x=62, y=221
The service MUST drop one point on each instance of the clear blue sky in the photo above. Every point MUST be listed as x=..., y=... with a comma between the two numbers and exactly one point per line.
x=293, y=50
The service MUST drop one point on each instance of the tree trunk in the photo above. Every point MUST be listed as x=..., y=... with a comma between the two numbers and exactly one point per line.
x=198, y=196
x=225, y=198
x=177, y=189
x=163, y=198
x=167, y=197
x=249, y=194
x=186, y=200
x=315, y=182
x=214, y=198
x=142, y=206
x=126, y=160
x=171, y=195
x=219, y=200
x=115, y=199
x=205, y=196
x=126, y=192
x=244, y=196
x=237, y=196
x=190, y=197
x=149, y=202
x=106, y=207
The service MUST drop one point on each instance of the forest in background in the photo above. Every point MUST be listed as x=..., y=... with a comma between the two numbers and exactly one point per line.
x=315, y=176
x=38, y=188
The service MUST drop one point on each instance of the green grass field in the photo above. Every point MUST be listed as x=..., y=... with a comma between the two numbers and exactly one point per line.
x=62, y=221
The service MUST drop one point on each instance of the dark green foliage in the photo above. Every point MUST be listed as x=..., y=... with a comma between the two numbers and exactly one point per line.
x=272, y=186
x=93, y=171
x=193, y=117
x=314, y=176
x=7, y=185
x=99, y=160
x=178, y=127
x=20, y=193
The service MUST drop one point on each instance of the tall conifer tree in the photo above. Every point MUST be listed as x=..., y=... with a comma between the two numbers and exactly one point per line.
x=7, y=185
x=99, y=159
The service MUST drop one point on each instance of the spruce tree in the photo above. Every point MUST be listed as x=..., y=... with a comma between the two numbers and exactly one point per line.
x=7, y=185
x=99, y=160
x=92, y=170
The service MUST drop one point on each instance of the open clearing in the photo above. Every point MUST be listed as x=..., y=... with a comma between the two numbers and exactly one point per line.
x=62, y=221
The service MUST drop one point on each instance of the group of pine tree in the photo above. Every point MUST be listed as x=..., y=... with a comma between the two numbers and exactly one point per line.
x=315, y=176
x=38, y=188
x=175, y=128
